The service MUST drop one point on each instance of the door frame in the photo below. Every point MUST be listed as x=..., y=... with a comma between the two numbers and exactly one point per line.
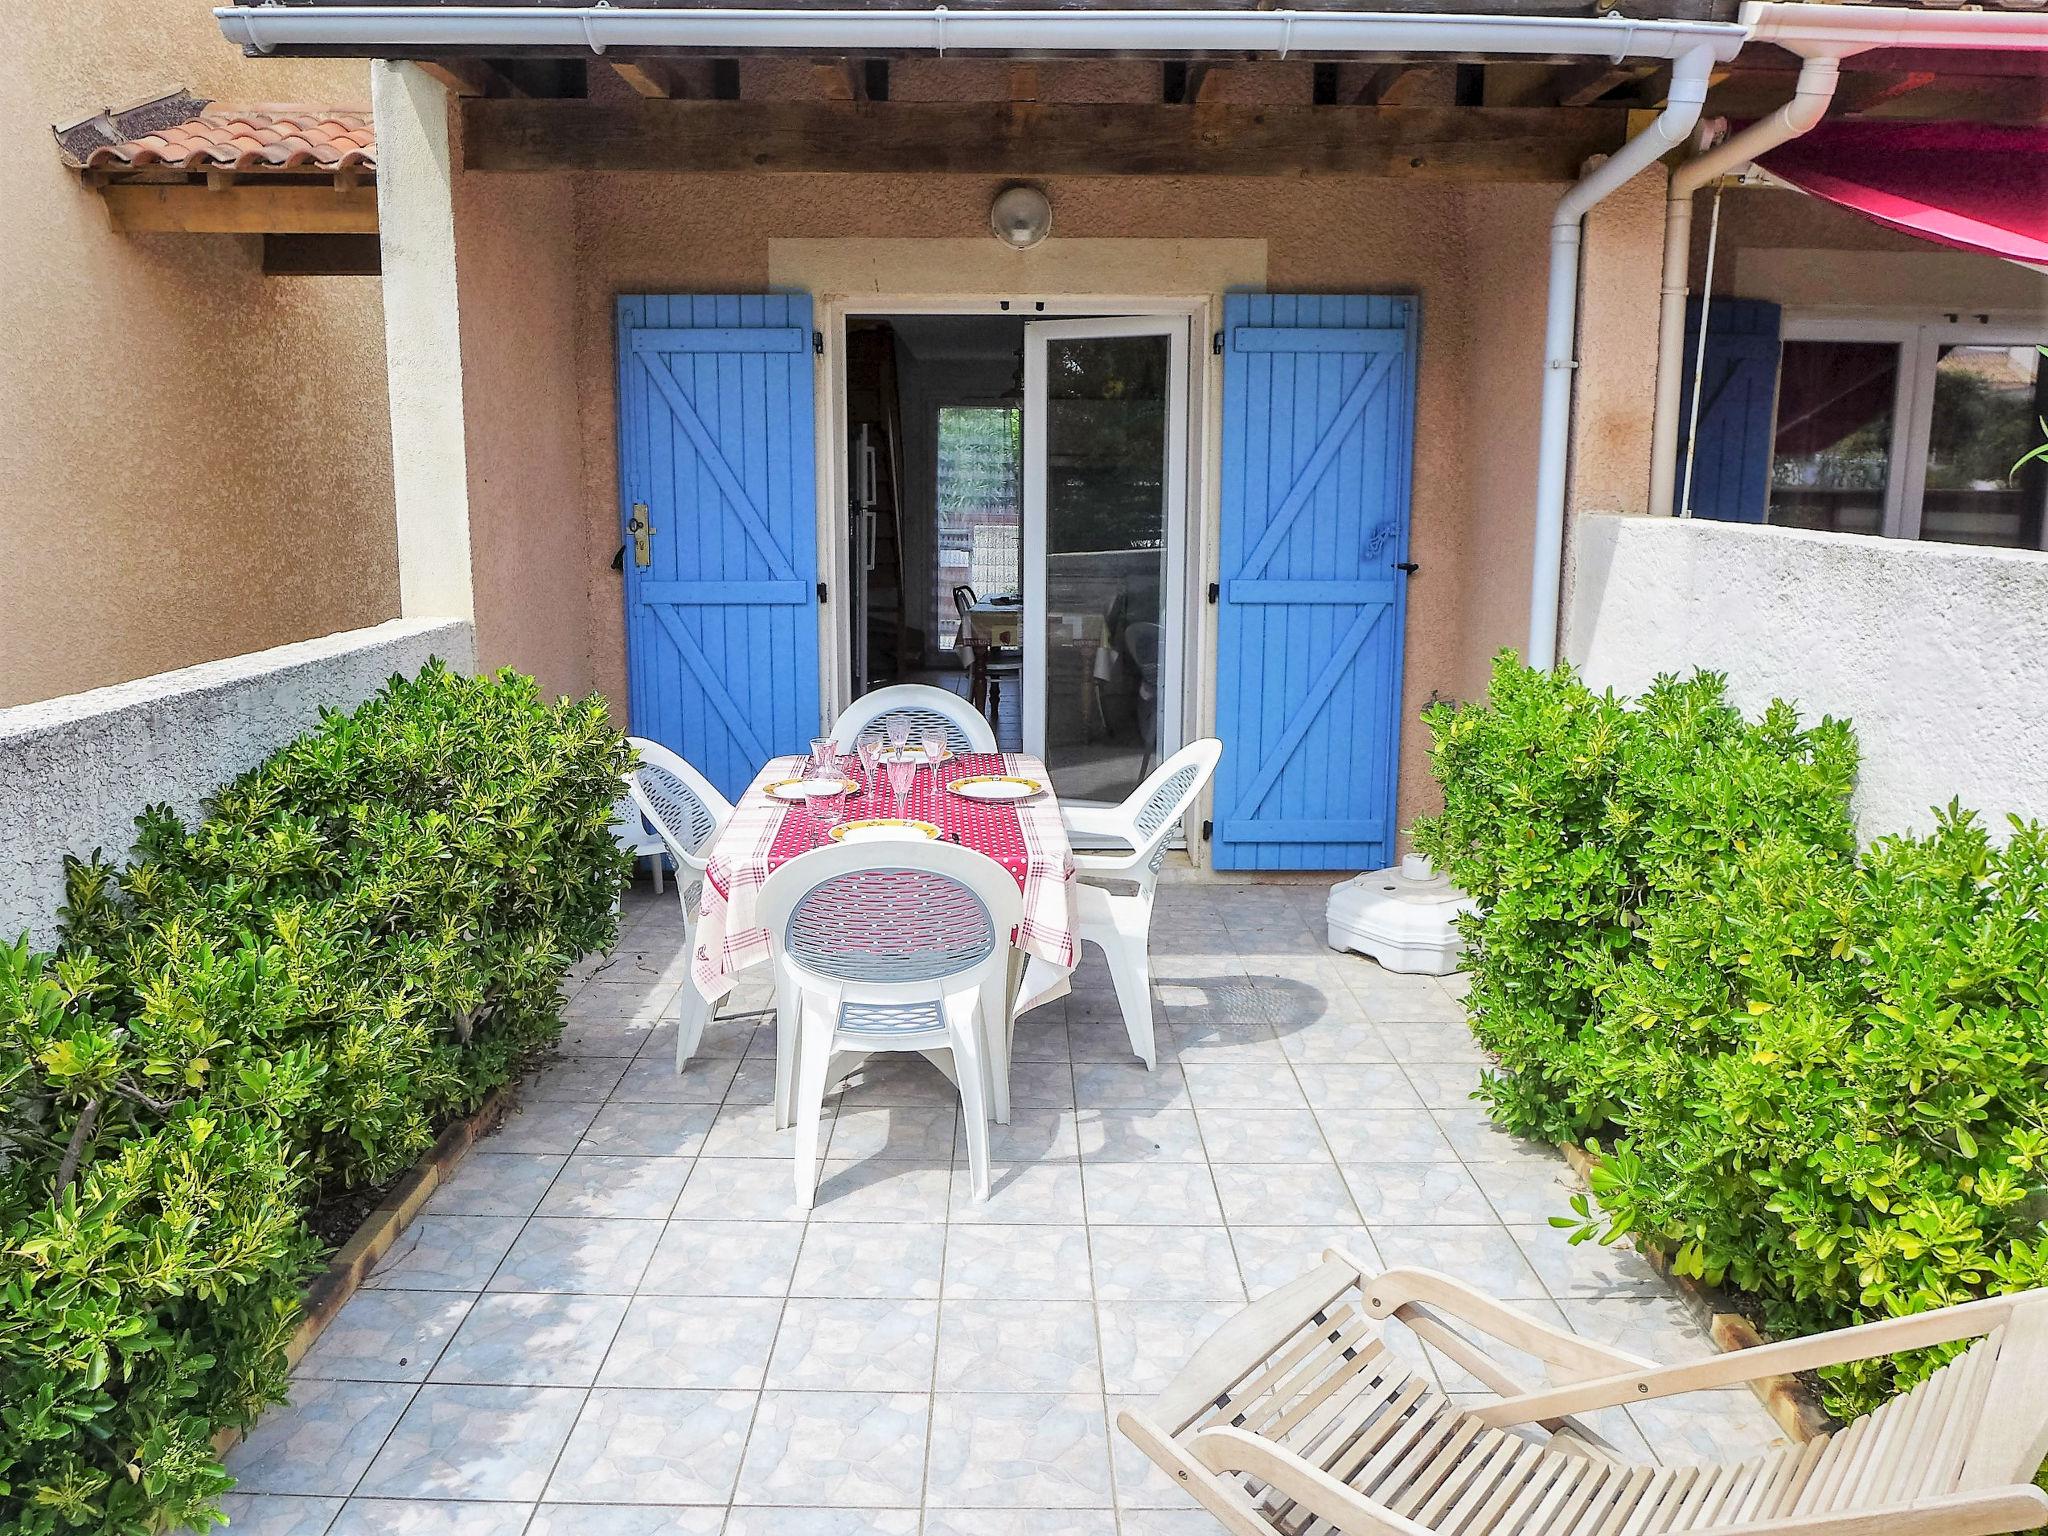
x=1199, y=548
x=1173, y=556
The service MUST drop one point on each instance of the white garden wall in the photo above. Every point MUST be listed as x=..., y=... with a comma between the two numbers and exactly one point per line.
x=75, y=771
x=1937, y=652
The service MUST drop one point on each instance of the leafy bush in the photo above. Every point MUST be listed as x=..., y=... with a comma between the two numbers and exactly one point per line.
x=1820, y=1073
x=364, y=936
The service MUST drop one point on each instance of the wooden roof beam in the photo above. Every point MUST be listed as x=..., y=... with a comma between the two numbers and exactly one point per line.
x=1472, y=143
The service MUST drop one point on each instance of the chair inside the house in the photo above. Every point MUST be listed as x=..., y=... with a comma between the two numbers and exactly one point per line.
x=906, y=950
x=1126, y=843
x=687, y=813
x=1301, y=1416
x=987, y=665
x=967, y=730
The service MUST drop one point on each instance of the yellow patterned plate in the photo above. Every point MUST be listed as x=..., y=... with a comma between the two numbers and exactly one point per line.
x=995, y=786
x=881, y=829
x=795, y=791
x=912, y=753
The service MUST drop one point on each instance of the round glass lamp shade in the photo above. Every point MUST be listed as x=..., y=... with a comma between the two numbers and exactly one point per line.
x=1020, y=217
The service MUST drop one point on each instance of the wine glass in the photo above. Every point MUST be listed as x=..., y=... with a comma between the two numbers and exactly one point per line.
x=901, y=771
x=869, y=750
x=898, y=727
x=933, y=739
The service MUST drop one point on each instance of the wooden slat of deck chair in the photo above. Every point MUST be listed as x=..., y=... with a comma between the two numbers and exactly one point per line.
x=1381, y=1452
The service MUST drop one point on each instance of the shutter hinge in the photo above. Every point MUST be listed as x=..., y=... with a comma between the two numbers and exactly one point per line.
x=818, y=342
x=1216, y=344
x=1215, y=591
x=821, y=592
x=1207, y=828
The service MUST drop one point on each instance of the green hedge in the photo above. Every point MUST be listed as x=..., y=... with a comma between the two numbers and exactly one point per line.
x=1818, y=1073
x=364, y=936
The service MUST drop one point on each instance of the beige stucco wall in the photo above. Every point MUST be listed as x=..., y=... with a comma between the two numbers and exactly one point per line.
x=1808, y=254
x=1471, y=254
x=532, y=532
x=196, y=460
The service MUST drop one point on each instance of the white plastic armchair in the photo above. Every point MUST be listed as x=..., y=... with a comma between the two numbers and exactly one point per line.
x=688, y=814
x=966, y=730
x=890, y=947
x=1298, y=1418
x=1121, y=925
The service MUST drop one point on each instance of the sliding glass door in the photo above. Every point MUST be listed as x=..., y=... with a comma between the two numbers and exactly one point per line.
x=1105, y=454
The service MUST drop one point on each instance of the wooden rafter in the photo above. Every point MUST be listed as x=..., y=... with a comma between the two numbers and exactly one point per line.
x=1580, y=85
x=470, y=77
x=1021, y=138
x=1859, y=93
x=653, y=77
x=1387, y=83
x=840, y=80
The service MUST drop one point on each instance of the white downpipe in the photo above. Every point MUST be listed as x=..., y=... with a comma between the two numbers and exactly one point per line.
x=1280, y=32
x=1809, y=103
x=1688, y=94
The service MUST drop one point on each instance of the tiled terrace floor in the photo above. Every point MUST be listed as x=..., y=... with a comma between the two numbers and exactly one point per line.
x=613, y=1321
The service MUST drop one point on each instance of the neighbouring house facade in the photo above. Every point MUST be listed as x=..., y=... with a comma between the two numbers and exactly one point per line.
x=714, y=384
x=197, y=460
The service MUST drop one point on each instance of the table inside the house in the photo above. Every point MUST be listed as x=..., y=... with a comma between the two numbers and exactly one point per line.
x=1026, y=837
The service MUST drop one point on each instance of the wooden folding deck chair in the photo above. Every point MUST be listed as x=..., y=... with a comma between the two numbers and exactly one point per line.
x=1297, y=1418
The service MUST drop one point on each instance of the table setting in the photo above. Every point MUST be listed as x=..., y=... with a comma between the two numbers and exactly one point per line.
x=896, y=786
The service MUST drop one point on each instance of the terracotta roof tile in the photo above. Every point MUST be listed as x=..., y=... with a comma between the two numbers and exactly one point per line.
x=285, y=138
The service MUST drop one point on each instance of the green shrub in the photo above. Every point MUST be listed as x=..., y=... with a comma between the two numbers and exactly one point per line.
x=364, y=936
x=1820, y=1073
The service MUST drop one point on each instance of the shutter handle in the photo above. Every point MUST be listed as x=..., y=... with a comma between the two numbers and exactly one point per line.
x=1407, y=565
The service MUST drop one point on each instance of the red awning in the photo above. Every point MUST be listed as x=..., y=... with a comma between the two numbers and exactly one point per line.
x=1976, y=186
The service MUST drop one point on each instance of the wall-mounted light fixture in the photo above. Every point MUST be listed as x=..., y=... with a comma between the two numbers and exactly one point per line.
x=1021, y=216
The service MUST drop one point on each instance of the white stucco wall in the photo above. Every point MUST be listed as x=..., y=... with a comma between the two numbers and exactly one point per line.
x=75, y=771
x=1938, y=653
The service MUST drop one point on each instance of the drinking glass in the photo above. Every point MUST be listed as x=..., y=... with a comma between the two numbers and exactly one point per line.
x=898, y=727
x=869, y=750
x=933, y=740
x=824, y=758
x=826, y=810
x=901, y=771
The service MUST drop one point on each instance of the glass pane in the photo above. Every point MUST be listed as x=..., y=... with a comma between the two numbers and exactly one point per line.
x=1832, y=456
x=980, y=514
x=1988, y=404
x=1105, y=542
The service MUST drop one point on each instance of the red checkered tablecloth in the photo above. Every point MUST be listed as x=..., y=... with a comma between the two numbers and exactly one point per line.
x=1026, y=837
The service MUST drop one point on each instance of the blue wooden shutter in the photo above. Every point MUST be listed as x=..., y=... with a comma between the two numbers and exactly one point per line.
x=1731, y=473
x=715, y=436
x=1318, y=424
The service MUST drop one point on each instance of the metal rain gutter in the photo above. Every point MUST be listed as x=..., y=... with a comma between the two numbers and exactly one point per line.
x=262, y=28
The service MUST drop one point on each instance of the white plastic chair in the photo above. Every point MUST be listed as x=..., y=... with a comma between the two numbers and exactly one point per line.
x=680, y=804
x=966, y=730
x=632, y=833
x=1121, y=925
x=890, y=948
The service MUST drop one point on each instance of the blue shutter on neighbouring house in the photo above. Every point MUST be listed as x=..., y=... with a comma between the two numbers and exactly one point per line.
x=1318, y=426
x=715, y=437
x=1731, y=472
